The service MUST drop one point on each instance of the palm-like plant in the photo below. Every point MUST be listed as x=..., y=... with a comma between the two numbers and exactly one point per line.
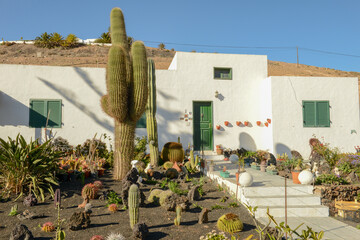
x=27, y=167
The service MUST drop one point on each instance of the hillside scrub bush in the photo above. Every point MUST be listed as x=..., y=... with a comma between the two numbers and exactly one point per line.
x=53, y=40
x=27, y=167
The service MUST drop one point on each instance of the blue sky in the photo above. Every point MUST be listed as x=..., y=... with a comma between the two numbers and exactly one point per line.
x=326, y=25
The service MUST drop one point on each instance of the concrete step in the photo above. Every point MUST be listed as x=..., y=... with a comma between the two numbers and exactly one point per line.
x=214, y=157
x=292, y=200
x=278, y=191
x=293, y=211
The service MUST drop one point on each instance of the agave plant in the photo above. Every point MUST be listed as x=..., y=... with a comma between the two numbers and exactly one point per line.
x=27, y=166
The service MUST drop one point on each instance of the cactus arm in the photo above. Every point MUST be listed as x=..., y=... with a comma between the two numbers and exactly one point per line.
x=117, y=28
x=140, y=81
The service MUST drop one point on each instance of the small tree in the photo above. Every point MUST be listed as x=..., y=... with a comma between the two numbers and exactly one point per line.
x=161, y=46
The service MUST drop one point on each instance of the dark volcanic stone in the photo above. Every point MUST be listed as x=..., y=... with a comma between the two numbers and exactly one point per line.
x=140, y=231
x=21, y=232
x=79, y=220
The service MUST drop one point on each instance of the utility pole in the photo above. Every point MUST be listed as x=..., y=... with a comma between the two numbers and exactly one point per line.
x=297, y=56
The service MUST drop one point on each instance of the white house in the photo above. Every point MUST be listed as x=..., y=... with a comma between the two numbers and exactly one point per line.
x=203, y=98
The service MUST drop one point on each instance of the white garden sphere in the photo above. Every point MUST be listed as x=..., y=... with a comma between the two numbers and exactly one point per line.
x=306, y=177
x=234, y=158
x=246, y=179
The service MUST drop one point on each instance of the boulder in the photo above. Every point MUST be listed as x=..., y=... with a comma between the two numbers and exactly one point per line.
x=193, y=194
x=30, y=200
x=79, y=220
x=174, y=200
x=140, y=231
x=203, y=216
x=21, y=232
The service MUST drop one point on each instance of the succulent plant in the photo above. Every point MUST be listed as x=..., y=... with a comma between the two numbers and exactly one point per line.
x=127, y=91
x=113, y=207
x=133, y=205
x=89, y=191
x=98, y=184
x=177, y=220
x=48, y=227
x=173, y=152
x=168, y=165
x=230, y=223
x=151, y=124
x=97, y=237
x=115, y=236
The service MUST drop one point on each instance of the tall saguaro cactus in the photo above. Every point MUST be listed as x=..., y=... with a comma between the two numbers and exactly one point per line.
x=151, y=124
x=127, y=91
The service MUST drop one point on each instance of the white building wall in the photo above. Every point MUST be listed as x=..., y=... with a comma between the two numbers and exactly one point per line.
x=244, y=98
x=79, y=89
x=287, y=96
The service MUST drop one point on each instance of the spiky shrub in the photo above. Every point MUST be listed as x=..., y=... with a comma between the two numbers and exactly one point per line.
x=173, y=152
x=27, y=166
x=115, y=236
x=97, y=237
x=48, y=227
x=113, y=208
x=151, y=124
x=62, y=145
x=89, y=191
x=133, y=205
x=127, y=91
x=177, y=220
x=230, y=223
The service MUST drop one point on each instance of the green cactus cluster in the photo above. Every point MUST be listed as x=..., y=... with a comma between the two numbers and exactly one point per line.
x=134, y=202
x=89, y=191
x=177, y=220
x=192, y=160
x=151, y=124
x=230, y=223
x=173, y=152
x=127, y=91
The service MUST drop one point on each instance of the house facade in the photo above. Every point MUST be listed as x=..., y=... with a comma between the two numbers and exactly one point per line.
x=203, y=98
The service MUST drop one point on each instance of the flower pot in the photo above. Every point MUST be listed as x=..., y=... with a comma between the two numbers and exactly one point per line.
x=226, y=123
x=101, y=172
x=87, y=173
x=272, y=172
x=263, y=167
x=268, y=120
x=295, y=177
x=237, y=174
x=219, y=151
x=225, y=174
x=256, y=167
x=218, y=127
x=266, y=124
x=258, y=123
x=246, y=123
x=238, y=123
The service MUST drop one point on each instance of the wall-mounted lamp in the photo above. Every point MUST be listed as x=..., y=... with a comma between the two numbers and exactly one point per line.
x=216, y=93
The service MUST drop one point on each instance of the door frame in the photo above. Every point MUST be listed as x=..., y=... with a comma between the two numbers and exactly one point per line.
x=212, y=124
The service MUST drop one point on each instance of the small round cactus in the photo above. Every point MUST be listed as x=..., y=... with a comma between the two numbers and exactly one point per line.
x=230, y=223
x=173, y=152
x=168, y=165
x=97, y=237
x=113, y=207
x=48, y=227
x=89, y=191
x=98, y=184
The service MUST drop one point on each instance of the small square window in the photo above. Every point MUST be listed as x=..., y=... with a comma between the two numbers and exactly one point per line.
x=45, y=113
x=316, y=113
x=223, y=73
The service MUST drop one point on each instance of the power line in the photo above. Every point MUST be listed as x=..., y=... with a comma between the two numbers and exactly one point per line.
x=328, y=52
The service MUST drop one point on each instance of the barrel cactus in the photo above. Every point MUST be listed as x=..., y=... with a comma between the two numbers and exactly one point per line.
x=134, y=205
x=173, y=152
x=230, y=223
x=127, y=91
x=151, y=124
x=89, y=191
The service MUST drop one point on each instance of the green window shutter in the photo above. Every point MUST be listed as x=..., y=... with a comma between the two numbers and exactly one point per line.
x=141, y=123
x=37, y=112
x=322, y=114
x=54, y=111
x=309, y=114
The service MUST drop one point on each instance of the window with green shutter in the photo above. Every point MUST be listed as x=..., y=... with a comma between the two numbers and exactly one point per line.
x=45, y=113
x=141, y=123
x=223, y=73
x=316, y=113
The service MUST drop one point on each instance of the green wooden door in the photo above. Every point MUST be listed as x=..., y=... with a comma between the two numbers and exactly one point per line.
x=202, y=119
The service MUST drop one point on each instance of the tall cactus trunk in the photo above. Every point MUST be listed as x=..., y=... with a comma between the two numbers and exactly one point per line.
x=151, y=125
x=124, y=142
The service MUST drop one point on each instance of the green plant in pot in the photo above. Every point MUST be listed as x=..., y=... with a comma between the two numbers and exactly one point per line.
x=255, y=165
x=296, y=171
x=262, y=157
x=272, y=170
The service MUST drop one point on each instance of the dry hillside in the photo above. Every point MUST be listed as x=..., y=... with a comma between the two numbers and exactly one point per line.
x=96, y=56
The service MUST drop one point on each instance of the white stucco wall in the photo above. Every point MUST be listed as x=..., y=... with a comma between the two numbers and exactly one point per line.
x=287, y=96
x=79, y=89
x=244, y=98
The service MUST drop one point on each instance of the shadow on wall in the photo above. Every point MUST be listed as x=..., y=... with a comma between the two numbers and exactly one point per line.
x=247, y=142
x=282, y=148
x=14, y=113
x=70, y=96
